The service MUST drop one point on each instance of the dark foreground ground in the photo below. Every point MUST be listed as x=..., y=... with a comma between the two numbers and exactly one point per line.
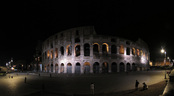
x=119, y=84
x=154, y=90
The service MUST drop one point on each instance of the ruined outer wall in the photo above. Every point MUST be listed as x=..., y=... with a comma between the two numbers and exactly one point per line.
x=129, y=55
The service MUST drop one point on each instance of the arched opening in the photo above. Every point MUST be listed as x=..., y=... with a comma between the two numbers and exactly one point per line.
x=56, y=68
x=48, y=54
x=56, y=52
x=69, y=68
x=105, y=48
x=62, y=50
x=127, y=51
x=133, y=51
x=113, y=49
x=86, y=49
x=86, y=67
x=121, y=49
x=51, y=67
x=48, y=68
x=122, y=67
x=128, y=67
x=105, y=67
x=77, y=40
x=114, y=67
x=138, y=52
x=134, y=67
x=96, y=67
x=77, y=50
x=96, y=48
x=62, y=68
x=77, y=68
x=69, y=50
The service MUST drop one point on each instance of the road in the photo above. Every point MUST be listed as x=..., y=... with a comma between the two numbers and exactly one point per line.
x=75, y=84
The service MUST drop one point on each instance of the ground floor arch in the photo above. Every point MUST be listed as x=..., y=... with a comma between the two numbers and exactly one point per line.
x=77, y=68
x=86, y=67
x=105, y=67
x=96, y=67
x=128, y=67
x=62, y=68
x=114, y=67
x=51, y=67
x=122, y=67
x=69, y=68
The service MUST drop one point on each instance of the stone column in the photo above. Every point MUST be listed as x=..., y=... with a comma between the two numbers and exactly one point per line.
x=118, y=50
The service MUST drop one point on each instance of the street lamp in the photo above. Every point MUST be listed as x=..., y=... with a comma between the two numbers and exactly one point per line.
x=163, y=51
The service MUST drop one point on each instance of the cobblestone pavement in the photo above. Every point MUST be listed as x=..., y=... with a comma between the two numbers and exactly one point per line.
x=78, y=85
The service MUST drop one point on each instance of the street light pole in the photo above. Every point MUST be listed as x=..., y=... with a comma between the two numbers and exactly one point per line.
x=165, y=64
x=163, y=51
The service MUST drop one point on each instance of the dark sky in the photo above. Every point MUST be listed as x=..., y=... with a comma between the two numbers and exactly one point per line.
x=23, y=23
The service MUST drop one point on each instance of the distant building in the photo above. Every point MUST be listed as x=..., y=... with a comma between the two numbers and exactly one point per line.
x=82, y=50
x=161, y=62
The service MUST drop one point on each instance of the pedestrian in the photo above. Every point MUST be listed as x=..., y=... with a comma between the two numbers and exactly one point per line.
x=92, y=88
x=145, y=87
x=136, y=84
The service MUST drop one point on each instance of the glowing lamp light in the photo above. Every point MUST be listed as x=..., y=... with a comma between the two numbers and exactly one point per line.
x=162, y=50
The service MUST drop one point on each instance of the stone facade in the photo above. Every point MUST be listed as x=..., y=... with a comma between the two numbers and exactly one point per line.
x=82, y=50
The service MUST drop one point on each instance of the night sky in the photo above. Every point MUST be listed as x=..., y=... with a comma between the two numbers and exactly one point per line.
x=23, y=23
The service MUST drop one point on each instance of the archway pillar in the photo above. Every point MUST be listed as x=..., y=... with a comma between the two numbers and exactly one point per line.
x=91, y=68
x=73, y=68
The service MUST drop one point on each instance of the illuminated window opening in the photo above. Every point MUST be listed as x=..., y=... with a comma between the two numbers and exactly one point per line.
x=56, y=52
x=133, y=51
x=51, y=54
x=138, y=52
x=121, y=49
x=105, y=48
x=48, y=54
x=141, y=53
x=69, y=50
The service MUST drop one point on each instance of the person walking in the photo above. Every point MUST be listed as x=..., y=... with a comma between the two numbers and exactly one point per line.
x=92, y=88
x=136, y=84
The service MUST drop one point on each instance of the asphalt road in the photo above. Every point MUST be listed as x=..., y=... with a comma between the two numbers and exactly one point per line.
x=75, y=84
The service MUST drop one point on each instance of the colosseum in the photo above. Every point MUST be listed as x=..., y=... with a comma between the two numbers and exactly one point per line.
x=81, y=50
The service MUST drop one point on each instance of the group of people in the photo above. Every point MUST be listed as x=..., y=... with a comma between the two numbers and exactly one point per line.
x=145, y=87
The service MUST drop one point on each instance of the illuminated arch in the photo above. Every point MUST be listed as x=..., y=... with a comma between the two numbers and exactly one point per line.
x=141, y=53
x=133, y=51
x=68, y=50
x=48, y=54
x=86, y=67
x=105, y=47
x=96, y=48
x=77, y=50
x=121, y=49
x=138, y=52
